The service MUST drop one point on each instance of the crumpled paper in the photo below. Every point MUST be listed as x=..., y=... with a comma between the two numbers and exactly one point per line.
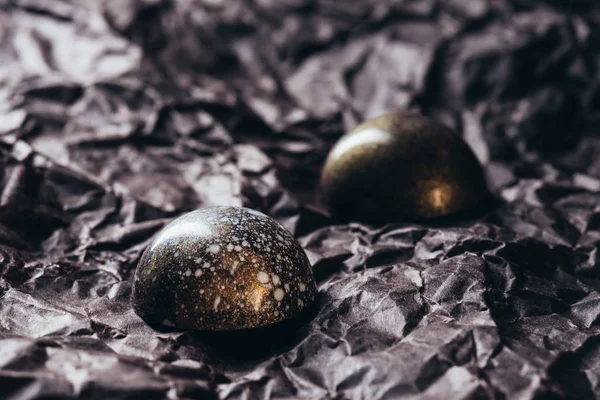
x=117, y=116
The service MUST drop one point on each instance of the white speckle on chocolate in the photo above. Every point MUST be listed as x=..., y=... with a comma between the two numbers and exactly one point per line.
x=229, y=247
x=214, y=248
x=278, y=294
x=276, y=280
x=287, y=287
x=188, y=272
x=198, y=273
x=263, y=277
x=217, y=302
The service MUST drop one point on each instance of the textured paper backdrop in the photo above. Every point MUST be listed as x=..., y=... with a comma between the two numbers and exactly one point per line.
x=116, y=116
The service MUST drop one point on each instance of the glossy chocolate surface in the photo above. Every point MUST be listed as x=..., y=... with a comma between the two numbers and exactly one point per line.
x=401, y=167
x=222, y=268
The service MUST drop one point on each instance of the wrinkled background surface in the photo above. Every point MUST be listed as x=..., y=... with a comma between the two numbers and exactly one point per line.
x=116, y=116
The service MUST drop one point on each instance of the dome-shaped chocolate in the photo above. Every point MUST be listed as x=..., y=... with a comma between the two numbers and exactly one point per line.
x=222, y=268
x=401, y=167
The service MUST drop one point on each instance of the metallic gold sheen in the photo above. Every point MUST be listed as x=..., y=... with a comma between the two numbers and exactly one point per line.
x=222, y=268
x=401, y=167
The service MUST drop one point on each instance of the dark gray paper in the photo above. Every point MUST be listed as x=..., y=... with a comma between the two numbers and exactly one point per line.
x=117, y=116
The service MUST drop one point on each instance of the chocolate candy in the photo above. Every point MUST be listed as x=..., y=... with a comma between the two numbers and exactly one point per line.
x=401, y=167
x=222, y=268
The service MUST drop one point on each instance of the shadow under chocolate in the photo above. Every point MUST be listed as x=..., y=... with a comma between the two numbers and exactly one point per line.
x=241, y=350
